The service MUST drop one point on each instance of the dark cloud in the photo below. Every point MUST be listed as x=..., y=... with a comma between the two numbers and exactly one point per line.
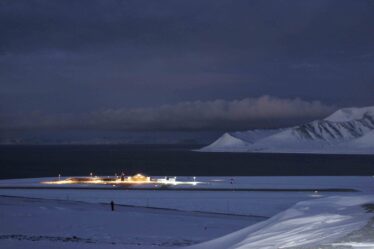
x=84, y=55
x=295, y=28
x=263, y=112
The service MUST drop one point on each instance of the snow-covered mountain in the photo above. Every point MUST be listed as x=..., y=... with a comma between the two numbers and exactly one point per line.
x=348, y=130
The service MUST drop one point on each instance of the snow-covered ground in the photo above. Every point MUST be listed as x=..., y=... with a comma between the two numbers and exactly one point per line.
x=333, y=222
x=330, y=217
x=263, y=204
x=224, y=198
x=37, y=223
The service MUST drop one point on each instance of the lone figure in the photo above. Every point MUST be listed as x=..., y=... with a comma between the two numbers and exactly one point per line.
x=112, y=205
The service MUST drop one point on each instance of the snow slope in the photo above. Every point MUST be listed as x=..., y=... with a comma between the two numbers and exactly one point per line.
x=347, y=114
x=348, y=130
x=365, y=141
x=307, y=224
x=239, y=141
x=229, y=141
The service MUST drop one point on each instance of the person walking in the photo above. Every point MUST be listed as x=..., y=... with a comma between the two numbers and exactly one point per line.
x=112, y=205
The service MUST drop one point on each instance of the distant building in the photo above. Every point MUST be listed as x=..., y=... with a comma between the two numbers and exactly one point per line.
x=138, y=178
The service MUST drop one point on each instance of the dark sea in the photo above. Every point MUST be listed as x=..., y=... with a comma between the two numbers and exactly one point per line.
x=42, y=160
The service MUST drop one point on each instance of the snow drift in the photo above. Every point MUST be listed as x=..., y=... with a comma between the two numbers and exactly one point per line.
x=308, y=223
x=349, y=131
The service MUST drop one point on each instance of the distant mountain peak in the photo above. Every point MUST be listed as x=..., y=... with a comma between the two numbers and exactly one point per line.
x=228, y=139
x=349, y=114
x=348, y=130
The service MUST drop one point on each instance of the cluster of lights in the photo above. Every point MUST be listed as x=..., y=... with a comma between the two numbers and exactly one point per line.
x=136, y=179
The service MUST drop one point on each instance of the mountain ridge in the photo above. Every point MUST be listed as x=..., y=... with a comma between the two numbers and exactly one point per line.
x=347, y=130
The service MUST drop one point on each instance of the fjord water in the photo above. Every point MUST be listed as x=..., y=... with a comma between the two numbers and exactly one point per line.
x=42, y=160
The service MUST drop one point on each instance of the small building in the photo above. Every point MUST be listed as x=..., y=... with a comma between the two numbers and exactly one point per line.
x=167, y=180
x=138, y=178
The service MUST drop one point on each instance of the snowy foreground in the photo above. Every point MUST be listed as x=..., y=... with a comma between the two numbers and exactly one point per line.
x=337, y=222
x=285, y=213
x=36, y=223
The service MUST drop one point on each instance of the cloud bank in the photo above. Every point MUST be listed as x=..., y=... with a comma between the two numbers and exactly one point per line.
x=248, y=113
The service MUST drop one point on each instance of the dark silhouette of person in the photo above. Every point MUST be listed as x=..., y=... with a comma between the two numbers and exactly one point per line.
x=112, y=205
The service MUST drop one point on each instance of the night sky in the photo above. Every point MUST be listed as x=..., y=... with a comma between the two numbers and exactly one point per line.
x=182, y=65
